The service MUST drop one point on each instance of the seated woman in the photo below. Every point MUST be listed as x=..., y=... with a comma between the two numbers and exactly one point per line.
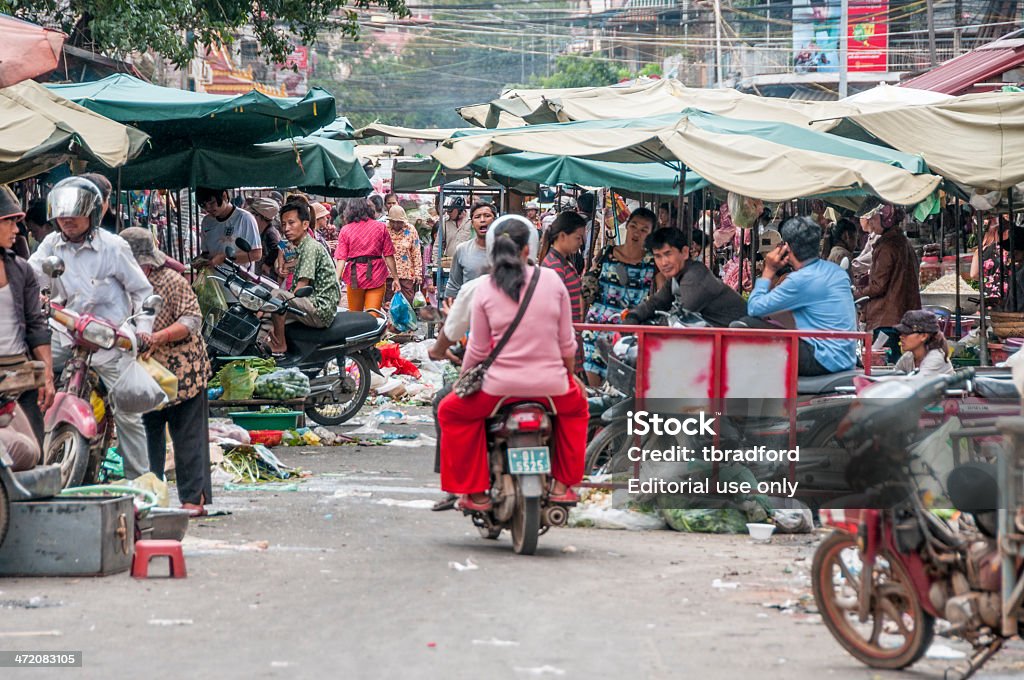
x=925, y=352
x=529, y=366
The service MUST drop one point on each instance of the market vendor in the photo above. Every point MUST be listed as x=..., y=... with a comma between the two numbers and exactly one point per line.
x=817, y=293
x=223, y=225
x=689, y=284
x=177, y=344
x=266, y=210
x=313, y=267
x=893, y=287
x=455, y=228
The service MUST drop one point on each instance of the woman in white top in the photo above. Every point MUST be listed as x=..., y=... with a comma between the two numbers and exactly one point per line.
x=925, y=352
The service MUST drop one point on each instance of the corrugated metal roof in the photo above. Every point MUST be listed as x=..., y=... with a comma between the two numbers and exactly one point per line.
x=959, y=76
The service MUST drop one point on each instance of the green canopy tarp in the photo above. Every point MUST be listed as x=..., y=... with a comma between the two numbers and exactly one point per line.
x=168, y=114
x=319, y=165
x=767, y=160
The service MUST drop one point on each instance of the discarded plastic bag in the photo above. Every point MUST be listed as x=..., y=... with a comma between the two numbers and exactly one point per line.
x=613, y=518
x=391, y=357
x=402, y=316
x=223, y=431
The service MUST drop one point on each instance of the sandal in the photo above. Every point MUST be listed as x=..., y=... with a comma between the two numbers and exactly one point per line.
x=445, y=503
x=467, y=503
x=194, y=509
x=568, y=497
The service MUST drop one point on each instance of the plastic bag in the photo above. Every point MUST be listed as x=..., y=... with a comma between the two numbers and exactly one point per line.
x=285, y=383
x=223, y=430
x=135, y=391
x=238, y=380
x=402, y=317
x=212, y=300
x=168, y=381
x=391, y=357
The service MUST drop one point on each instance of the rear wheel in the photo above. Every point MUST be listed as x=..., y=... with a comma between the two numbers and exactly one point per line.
x=525, y=523
x=5, y=513
x=350, y=385
x=897, y=631
x=69, y=448
x=606, y=454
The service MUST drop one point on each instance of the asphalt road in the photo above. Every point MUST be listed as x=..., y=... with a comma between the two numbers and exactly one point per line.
x=351, y=577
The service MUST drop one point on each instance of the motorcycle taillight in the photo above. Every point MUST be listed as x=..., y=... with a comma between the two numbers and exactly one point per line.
x=526, y=421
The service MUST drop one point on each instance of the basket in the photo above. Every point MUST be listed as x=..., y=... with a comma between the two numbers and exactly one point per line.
x=621, y=376
x=255, y=420
x=234, y=332
x=266, y=437
x=1007, y=324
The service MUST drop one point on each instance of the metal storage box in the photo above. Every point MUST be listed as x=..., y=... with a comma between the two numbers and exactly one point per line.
x=70, y=536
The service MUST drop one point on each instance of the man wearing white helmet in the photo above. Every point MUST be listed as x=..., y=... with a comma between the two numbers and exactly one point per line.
x=102, y=278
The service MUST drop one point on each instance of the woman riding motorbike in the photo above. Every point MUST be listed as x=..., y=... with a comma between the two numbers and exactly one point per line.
x=529, y=366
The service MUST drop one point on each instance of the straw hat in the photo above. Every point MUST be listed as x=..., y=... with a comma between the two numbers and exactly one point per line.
x=143, y=246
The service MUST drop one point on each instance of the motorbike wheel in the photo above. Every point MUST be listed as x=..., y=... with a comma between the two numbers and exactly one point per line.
x=525, y=524
x=606, y=454
x=336, y=414
x=69, y=448
x=5, y=513
x=898, y=631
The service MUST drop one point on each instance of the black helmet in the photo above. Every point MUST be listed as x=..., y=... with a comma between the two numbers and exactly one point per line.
x=75, y=197
x=457, y=203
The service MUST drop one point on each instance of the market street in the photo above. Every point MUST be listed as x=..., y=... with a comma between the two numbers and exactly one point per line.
x=356, y=582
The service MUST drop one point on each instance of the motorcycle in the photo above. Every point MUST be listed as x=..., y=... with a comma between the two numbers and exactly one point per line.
x=80, y=423
x=893, y=566
x=338, y=360
x=518, y=439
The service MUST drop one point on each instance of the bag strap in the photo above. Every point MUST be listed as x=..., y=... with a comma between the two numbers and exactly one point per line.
x=486, y=363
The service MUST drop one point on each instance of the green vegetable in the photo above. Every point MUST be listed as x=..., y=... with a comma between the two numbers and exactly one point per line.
x=721, y=521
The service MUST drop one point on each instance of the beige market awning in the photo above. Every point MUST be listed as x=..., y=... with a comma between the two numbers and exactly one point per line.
x=761, y=159
x=426, y=134
x=975, y=140
x=40, y=130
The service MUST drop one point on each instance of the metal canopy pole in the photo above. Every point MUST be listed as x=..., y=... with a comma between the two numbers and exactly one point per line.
x=680, y=219
x=957, y=229
x=1013, y=252
x=979, y=230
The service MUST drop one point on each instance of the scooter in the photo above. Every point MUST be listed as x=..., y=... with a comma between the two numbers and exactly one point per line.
x=80, y=423
x=338, y=360
x=518, y=439
x=893, y=566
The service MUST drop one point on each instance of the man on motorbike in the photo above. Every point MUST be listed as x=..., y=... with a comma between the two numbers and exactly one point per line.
x=689, y=284
x=313, y=267
x=102, y=278
x=817, y=293
x=223, y=225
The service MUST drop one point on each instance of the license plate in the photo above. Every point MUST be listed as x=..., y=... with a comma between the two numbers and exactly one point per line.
x=529, y=460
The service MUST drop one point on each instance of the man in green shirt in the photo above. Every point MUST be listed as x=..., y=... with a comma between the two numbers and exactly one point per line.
x=313, y=267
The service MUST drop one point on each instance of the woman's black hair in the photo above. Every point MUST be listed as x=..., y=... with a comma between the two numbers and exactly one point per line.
x=564, y=223
x=507, y=269
x=835, y=234
x=644, y=213
x=937, y=341
x=378, y=202
x=359, y=210
x=483, y=204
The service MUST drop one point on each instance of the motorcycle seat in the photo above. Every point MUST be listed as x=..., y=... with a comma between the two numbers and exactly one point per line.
x=824, y=384
x=995, y=388
x=345, y=326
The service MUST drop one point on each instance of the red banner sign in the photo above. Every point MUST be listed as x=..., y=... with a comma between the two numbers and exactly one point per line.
x=868, y=39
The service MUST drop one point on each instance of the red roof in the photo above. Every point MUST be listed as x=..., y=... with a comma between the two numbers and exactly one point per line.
x=962, y=74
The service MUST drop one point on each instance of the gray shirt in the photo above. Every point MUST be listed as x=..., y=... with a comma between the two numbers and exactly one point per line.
x=469, y=262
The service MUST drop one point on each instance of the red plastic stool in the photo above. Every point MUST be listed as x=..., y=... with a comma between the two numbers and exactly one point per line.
x=147, y=550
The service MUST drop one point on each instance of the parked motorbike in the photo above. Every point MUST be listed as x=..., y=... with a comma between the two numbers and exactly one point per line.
x=80, y=423
x=338, y=360
x=893, y=566
x=518, y=440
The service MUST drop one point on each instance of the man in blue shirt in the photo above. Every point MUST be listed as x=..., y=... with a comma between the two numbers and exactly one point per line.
x=817, y=293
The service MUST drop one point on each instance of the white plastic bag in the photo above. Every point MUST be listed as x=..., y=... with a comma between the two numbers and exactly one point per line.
x=135, y=391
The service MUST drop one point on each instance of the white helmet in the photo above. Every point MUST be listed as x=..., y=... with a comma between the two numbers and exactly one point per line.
x=506, y=219
x=75, y=197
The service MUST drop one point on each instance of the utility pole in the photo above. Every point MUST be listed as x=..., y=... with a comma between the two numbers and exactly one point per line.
x=931, y=33
x=718, y=43
x=844, y=42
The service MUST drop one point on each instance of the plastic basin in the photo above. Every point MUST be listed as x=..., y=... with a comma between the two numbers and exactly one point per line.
x=254, y=420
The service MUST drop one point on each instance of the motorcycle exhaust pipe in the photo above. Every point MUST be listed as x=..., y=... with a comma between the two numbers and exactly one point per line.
x=556, y=515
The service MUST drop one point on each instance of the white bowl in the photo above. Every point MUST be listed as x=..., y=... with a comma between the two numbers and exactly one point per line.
x=760, y=532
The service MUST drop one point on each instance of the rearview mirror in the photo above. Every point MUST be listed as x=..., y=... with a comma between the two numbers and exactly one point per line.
x=53, y=266
x=305, y=291
x=152, y=305
x=243, y=245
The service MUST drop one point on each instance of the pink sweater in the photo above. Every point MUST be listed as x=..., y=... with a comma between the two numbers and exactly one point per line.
x=531, y=363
